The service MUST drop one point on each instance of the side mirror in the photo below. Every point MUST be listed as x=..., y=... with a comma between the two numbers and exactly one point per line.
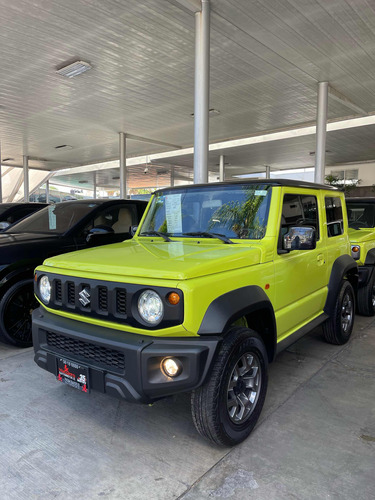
x=98, y=231
x=4, y=225
x=133, y=230
x=299, y=238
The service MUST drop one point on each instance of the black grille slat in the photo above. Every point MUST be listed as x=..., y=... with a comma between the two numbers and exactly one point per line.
x=121, y=301
x=71, y=293
x=58, y=290
x=85, y=351
x=102, y=298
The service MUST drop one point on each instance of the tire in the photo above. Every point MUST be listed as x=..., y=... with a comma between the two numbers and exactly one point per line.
x=366, y=298
x=338, y=328
x=16, y=307
x=216, y=407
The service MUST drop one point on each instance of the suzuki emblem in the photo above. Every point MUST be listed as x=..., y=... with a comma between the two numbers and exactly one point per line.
x=84, y=297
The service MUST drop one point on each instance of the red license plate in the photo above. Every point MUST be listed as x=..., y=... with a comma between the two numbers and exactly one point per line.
x=73, y=374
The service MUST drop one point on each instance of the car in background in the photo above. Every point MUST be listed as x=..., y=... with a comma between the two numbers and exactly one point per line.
x=13, y=212
x=361, y=218
x=55, y=229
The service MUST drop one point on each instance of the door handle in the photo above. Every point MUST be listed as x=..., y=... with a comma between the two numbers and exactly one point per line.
x=321, y=260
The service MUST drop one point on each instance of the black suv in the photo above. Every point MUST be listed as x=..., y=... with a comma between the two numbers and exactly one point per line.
x=54, y=230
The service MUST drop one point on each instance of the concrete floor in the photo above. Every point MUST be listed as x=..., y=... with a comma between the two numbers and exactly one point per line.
x=315, y=438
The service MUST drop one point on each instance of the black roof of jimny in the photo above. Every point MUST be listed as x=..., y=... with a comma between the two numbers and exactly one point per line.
x=270, y=182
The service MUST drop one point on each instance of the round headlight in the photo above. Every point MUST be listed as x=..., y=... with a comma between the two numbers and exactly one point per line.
x=45, y=289
x=150, y=307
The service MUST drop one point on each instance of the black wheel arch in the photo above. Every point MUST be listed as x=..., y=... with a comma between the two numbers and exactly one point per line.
x=344, y=267
x=370, y=257
x=250, y=302
x=12, y=276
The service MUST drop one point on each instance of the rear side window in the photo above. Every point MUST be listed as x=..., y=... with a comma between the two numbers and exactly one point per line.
x=299, y=210
x=335, y=225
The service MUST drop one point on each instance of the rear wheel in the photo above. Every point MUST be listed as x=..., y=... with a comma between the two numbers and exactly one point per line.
x=226, y=408
x=338, y=328
x=366, y=298
x=15, y=314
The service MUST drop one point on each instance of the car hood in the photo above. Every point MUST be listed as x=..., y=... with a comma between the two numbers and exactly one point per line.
x=178, y=260
x=361, y=235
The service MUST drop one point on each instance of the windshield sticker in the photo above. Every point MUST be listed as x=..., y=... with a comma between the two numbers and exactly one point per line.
x=173, y=213
x=51, y=218
x=261, y=192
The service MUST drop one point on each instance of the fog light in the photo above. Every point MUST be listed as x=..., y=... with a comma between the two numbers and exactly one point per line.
x=171, y=367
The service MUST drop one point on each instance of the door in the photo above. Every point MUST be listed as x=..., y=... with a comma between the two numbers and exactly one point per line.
x=300, y=275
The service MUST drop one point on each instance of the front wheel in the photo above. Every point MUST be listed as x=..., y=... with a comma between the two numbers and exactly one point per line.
x=15, y=314
x=226, y=408
x=338, y=328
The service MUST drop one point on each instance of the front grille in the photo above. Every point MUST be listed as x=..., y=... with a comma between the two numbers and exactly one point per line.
x=90, y=298
x=87, y=352
x=58, y=291
x=103, y=298
x=121, y=301
x=71, y=292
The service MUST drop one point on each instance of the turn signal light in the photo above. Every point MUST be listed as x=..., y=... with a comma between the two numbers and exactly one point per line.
x=173, y=298
x=355, y=249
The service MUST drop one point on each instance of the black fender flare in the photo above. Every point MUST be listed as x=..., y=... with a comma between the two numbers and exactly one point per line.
x=231, y=306
x=370, y=257
x=343, y=265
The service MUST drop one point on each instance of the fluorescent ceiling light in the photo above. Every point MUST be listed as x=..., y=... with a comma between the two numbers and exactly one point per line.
x=74, y=69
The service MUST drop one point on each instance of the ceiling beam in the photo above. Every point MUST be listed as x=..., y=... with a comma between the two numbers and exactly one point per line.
x=337, y=96
x=152, y=141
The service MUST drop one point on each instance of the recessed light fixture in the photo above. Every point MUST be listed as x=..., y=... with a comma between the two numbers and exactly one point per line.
x=73, y=69
x=211, y=112
x=64, y=146
x=7, y=159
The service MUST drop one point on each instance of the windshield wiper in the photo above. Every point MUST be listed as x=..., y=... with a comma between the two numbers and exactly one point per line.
x=156, y=233
x=207, y=234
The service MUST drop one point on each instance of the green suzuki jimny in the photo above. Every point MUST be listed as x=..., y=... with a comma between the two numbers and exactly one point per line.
x=216, y=281
x=361, y=215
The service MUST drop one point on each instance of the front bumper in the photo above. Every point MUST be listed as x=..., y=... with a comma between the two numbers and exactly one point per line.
x=122, y=364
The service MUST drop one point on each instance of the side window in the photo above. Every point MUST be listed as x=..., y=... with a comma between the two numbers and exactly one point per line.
x=119, y=218
x=299, y=210
x=335, y=225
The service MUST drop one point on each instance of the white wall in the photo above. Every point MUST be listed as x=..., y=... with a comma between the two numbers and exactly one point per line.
x=366, y=172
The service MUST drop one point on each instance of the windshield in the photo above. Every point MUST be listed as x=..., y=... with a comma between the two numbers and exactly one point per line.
x=361, y=214
x=235, y=211
x=55, y=219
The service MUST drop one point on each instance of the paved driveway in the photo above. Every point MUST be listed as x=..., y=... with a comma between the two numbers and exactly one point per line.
x=315, y=438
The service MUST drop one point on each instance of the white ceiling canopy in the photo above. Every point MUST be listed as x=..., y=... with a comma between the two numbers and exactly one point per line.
x=266, y=60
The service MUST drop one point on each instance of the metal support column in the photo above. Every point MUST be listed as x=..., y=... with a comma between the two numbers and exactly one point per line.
x=172, y=176
x=321, y=132
x=221, y=168
x=47, y=192
x=268, y=172
x=201, y=93
x=94, y=184
x=122, y=165
x=25, y=178
x=1, y=180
